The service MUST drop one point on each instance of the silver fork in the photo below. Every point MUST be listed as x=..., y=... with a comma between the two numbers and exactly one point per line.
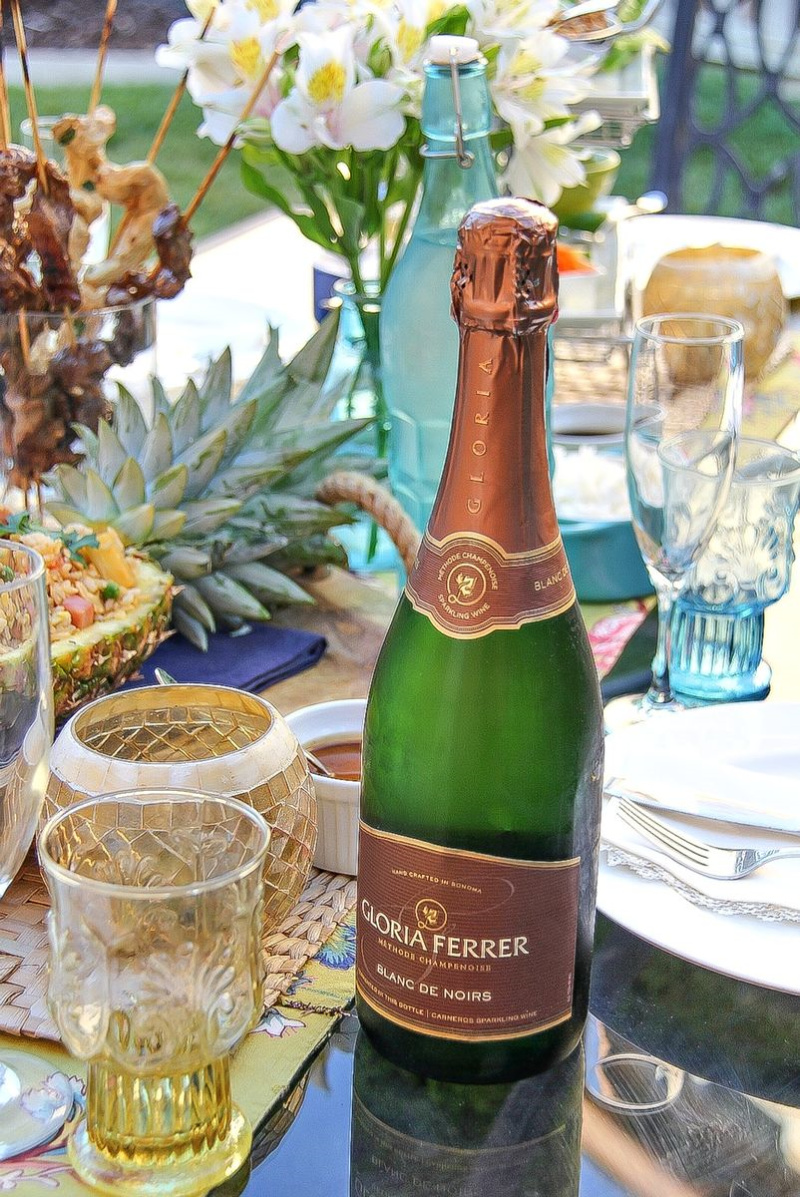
x=712, y=860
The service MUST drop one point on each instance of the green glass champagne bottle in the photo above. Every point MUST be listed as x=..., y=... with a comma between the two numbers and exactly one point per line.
x=483, y=739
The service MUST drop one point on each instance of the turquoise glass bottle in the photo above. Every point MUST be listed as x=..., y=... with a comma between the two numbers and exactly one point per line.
x=419, y=340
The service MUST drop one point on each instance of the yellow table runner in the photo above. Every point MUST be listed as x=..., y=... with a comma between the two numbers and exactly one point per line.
x=266, y=1066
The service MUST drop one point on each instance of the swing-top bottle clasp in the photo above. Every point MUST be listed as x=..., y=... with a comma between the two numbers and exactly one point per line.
x=454, y=51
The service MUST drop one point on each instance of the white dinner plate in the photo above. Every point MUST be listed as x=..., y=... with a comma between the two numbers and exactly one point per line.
x=746, y=748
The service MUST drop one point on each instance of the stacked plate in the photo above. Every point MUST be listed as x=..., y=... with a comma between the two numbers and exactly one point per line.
x=730, y=776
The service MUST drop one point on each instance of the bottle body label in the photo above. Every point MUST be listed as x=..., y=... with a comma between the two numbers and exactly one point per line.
x=463, y=945
x=468, y=585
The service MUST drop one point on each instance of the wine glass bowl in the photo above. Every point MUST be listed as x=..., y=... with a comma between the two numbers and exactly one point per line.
x=683, y=415
x=26, y=734
x=26, y=702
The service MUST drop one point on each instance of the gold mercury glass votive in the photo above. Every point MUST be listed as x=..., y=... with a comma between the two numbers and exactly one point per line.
x=193, y=737
x=155, y=976
x=723, y=280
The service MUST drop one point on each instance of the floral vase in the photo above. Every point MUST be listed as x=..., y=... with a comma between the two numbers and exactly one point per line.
x=356, y=367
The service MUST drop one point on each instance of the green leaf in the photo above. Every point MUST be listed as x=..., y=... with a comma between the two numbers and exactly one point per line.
x=295, y=515
x=309, y=403
x=167, y=525
x=455, y=21
x=193, y=603
x=156, y=455
x=185, y=420
x=111, y=455
x=188, y=626
x=296, y=447
x=237, y=425
x=73, y=486
x=316, y=550
x=134, y=526
x=352, y=214
x=241, y=481
x=130, y=486
x=129, y=422
x=65, y=514
x=251, y=542
x=202, y=460
x=379, y=59
x=206, y=515
x=254, y=181
x=100, y=503
x=216, y=390
x=268, y=584
x=89, y=443
x=312, y=362
x=228, y=598
x=169, y=488
x=269, y=371
x=185, y=561
x=161, y=401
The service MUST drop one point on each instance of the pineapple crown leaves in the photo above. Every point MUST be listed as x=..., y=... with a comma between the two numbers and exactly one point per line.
x=214, y=485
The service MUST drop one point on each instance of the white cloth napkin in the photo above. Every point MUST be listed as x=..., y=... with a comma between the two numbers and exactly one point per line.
x=772, y=893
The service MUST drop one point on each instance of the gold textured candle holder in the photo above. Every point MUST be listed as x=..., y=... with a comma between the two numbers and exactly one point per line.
x=155, y=975
x=739, y=283
x=209, y=738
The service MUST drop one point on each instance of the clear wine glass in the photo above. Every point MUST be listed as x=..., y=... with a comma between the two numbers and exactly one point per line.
x=26, y=734
x=683, y=417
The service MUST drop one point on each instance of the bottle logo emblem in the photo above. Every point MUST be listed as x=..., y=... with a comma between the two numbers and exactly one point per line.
x=466, y=585
x=431, y=915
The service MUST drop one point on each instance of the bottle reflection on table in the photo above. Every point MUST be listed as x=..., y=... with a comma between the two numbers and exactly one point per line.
x=415, y=1136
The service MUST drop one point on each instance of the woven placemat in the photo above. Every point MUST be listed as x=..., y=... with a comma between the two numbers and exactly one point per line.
x=326, y=901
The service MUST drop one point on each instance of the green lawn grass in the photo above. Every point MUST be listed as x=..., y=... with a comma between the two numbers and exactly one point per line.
x=761, y=141
x=185, y=157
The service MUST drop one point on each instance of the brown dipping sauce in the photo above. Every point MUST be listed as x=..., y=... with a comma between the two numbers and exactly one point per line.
x=342, y=758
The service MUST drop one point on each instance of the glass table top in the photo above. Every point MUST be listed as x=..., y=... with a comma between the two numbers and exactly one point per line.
x=687, y=1085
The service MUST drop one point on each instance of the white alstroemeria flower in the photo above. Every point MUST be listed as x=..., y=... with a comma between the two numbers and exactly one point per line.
x=328, y=107
x=368, y=118
x=543, y=164
x=406, y=32
x=326, y=68
x=225, y=65
x=509, y=20
x=533, y=82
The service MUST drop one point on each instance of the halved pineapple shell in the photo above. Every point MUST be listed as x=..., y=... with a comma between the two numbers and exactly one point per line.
x=101, y=657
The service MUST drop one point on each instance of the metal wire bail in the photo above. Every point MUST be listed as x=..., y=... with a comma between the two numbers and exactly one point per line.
x=464, y=157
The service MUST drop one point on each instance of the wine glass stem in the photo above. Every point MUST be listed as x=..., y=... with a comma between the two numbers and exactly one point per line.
x=660, y=692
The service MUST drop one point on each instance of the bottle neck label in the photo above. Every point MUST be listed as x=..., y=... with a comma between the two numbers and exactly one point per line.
x=464, y=945
x=492, y=556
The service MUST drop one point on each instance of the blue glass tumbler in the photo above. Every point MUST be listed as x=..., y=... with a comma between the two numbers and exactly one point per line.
x=718, y=623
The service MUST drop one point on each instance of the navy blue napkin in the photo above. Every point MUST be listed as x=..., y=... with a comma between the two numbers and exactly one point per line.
x=265, y=656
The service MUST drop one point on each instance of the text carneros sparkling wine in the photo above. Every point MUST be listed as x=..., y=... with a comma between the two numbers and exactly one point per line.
x=483, y=739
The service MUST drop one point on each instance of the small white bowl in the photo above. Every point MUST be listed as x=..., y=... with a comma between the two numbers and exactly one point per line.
x=337, y=800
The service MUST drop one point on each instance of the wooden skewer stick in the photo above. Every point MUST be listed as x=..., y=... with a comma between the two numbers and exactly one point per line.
x=161, y=132
x=172, y=107
x=24, y=337
x=30, y=99
x=5, y=115
x=102, y=50
x=216, y=165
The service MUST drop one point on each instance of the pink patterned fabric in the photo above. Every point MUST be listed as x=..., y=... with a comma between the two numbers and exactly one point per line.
x=610, y=634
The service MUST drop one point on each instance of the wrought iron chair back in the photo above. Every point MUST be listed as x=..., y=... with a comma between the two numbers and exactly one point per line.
x=757, y=45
